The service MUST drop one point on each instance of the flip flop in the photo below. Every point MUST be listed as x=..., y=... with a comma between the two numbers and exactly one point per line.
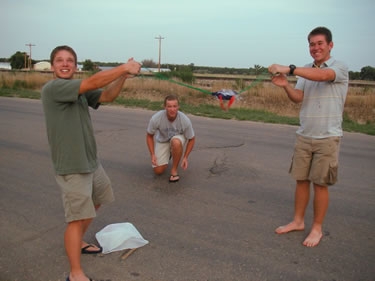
x=174, y=178
x=85, y=250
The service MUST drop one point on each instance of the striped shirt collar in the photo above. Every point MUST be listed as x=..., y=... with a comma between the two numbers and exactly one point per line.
x=324, y=64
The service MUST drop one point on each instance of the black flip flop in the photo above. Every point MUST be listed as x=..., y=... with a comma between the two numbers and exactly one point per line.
x=174, y=178
x=85, y=250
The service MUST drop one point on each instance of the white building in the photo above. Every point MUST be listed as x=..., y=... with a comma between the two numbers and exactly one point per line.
x=42, y=65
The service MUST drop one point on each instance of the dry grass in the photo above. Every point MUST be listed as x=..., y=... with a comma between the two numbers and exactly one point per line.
x=359, y=106
x=27, y=80
x=24, y=79
x=266, y=96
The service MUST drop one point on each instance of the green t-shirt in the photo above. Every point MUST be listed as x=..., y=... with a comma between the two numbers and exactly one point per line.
x=69, y=128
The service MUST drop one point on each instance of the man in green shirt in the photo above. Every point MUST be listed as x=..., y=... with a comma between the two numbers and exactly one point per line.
x=83, y=181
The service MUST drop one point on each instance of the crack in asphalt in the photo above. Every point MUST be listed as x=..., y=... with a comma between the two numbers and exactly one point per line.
x=219, y=166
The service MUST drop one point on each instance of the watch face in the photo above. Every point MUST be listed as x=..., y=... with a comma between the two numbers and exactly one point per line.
x=292, y=67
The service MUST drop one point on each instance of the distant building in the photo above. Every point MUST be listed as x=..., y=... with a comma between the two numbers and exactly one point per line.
x=43, y=65
x=151, y=69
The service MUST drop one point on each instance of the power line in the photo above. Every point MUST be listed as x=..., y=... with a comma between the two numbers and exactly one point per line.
x=159, y=38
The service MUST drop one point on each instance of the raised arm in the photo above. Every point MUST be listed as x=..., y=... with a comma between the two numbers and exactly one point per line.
x=104, y=78
x=294, y=95
x=310, y=73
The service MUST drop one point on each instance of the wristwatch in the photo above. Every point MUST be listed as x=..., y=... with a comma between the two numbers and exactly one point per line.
x=292, y=67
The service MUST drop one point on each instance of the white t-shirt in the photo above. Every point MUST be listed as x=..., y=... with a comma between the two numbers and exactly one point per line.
x=165, y=129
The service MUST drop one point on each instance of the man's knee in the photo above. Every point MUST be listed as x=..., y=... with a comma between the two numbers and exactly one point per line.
x=176, y=146
x=303, y=184
x=320, y=187
x=175, y=142
x=160, y=169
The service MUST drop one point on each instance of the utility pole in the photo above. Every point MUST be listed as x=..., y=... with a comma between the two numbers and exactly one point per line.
x=159, y=38
x=25, y=60
x=30, y=45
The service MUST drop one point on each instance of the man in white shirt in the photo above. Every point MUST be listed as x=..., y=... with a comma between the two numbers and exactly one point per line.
x=168, y=132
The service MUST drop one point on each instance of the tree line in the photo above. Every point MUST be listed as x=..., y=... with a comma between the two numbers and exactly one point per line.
x=19, y=60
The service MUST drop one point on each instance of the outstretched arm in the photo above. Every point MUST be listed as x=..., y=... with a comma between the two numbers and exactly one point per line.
x=279, y=79
x=310, y=73
x=113, y=90
x=294, y=95
x=104, y=78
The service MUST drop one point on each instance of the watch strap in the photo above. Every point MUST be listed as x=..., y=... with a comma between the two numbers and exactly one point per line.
x=292, y=67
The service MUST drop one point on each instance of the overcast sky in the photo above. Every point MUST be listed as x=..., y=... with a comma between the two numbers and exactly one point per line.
x=235, y=33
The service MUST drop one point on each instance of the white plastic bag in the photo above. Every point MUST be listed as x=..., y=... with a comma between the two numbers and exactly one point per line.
x=119, y=236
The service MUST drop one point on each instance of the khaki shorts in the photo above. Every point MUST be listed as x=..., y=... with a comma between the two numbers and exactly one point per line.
x=82, y=192
x=316, y=160
x=163, y=150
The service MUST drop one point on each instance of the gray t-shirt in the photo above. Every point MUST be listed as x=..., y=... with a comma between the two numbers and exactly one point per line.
x=323, y=103
x=165, y=129
x=69, y=128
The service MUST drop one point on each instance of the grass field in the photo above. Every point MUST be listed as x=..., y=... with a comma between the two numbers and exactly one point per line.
x=262, y=102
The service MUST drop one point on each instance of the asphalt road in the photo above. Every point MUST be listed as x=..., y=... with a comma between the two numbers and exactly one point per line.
x=216, y=223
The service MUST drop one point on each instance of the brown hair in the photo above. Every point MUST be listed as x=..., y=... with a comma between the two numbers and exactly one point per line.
x=171, y=97
x=321, y=30
x=60, y=48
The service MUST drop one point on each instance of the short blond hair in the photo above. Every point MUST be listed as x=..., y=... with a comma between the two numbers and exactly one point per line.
x=171, y=97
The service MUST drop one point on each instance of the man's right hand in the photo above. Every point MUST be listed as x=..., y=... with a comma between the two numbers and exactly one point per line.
x=153, y=160
x=132, y=67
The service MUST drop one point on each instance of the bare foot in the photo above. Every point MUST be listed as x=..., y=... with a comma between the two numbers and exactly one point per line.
x=78, y=277
x=293, y=226
x=313, y=238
